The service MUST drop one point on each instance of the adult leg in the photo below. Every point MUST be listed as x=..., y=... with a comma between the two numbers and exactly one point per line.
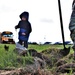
x=73, y=39
x=72, y=29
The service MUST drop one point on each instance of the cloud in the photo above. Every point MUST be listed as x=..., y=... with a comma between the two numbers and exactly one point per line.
x=5, y=9
x=46, y=20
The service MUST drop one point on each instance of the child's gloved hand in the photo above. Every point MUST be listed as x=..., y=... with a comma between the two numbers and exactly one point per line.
x=23, y=33
x=15, y=27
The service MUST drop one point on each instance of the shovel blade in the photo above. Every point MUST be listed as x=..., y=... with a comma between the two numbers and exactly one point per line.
x=65, y=51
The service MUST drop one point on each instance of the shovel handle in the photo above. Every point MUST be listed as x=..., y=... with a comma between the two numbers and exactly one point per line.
x=61, y=23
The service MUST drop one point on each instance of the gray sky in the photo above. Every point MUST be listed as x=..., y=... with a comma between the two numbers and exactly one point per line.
x=44, y=18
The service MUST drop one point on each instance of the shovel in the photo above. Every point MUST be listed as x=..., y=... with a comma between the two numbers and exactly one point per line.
x=65, y=51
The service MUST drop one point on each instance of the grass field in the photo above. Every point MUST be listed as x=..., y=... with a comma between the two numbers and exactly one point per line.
x=39, y=48
x=9, y=58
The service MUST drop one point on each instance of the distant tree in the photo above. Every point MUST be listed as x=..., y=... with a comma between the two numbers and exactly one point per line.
x=57, y=43
x=34, y=43
x=47, y=42
x=29, y=42
x=67, y=42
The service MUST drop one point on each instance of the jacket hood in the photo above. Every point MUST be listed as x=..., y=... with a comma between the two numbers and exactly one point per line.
x=24, y=14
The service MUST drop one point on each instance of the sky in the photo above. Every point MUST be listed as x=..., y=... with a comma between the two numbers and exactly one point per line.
x=43, y=16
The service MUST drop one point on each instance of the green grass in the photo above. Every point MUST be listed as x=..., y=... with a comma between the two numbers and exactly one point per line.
x=9, y=59
x=40, y=48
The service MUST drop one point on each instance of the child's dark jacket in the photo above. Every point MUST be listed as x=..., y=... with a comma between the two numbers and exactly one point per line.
x=25, y=27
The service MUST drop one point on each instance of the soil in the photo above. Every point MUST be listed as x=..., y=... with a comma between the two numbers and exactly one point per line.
x=48, y=62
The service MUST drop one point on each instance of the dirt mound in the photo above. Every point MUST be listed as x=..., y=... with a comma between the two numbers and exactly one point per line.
x=51, y=59
x=24, y=71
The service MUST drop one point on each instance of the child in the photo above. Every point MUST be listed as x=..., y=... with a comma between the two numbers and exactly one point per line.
x=25, y=29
